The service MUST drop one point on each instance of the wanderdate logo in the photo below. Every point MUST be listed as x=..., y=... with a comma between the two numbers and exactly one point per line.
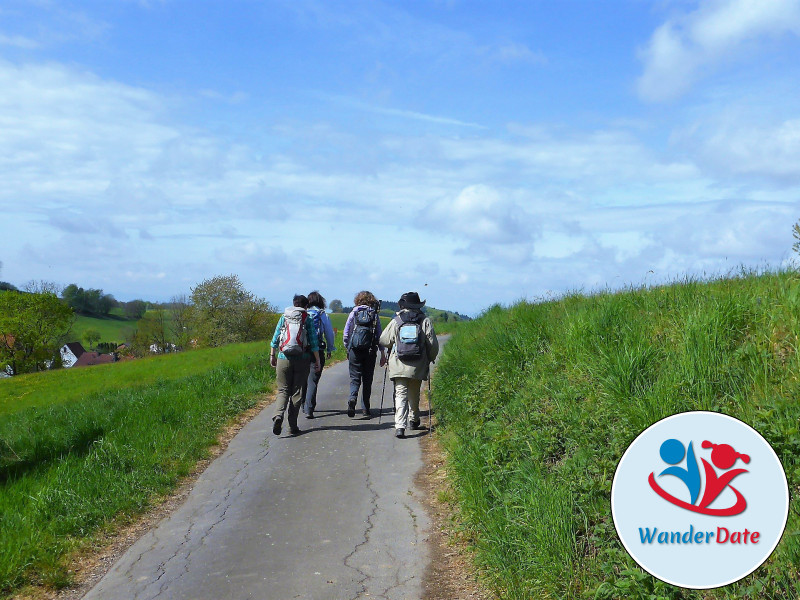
x=723, y=457
x=699, y=500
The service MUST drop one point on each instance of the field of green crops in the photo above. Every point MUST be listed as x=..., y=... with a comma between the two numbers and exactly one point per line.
x=538, y=402
x=81, y=447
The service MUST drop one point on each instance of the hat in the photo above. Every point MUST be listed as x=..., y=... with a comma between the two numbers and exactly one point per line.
x=411, y=300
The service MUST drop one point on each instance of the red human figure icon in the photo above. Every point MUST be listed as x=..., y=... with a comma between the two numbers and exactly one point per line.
x=724, y=457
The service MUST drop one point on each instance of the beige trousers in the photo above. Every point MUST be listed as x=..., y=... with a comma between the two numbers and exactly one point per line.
x=406, y=395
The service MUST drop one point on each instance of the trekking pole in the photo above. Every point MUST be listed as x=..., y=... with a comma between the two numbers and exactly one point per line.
x=430, y=402
x=383, y=393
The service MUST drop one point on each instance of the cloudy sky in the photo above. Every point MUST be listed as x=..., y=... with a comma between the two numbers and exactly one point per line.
x=491, y=150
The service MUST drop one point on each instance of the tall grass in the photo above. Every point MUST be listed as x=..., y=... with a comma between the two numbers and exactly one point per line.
x=69, y=468
x=539, y=401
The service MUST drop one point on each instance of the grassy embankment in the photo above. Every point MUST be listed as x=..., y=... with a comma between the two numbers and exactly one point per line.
x=538, y=403
x=81, y=448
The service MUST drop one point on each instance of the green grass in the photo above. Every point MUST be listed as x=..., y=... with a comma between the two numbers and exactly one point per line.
x=67, y=385
x=538, y=402
x=112, y=328
x=70, y=466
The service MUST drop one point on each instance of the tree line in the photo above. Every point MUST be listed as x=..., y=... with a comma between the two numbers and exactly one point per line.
x=36, y=323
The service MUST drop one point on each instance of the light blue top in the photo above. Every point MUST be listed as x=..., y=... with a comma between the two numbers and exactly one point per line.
x=327, y=328
x=311, y=338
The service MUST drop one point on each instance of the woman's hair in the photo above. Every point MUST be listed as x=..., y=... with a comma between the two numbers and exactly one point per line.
x=316, y=299
x=300, y=301
x=366, y=298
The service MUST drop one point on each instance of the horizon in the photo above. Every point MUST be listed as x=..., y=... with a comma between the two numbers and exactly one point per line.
x=476, y=153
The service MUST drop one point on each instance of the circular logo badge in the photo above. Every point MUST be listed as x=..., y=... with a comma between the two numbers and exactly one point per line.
x=700, y=500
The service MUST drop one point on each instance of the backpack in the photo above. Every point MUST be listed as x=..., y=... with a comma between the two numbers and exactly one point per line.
x=364, y=329
x=410, y=342
x=316, y=321
x=293, y=333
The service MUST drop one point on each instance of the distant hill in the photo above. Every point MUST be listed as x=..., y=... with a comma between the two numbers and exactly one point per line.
x=389, y=308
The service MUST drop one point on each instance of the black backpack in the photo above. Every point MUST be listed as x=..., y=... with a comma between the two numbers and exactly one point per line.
x=410, y=342
x=363, y=334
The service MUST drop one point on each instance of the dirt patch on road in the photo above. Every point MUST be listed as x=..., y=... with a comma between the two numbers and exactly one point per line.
x=451, y=574
x=93, y=561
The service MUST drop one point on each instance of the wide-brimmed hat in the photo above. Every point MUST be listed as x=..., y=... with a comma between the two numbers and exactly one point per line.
x=411, y=300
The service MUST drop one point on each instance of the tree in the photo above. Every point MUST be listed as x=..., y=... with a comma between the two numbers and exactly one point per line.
x=152, y=334
x=91, y=336
x=181, y=320
x=88, y=302
x=32, y=329
x=796, y=236
x=336, y=306
x=135, y=309
x=224, y=312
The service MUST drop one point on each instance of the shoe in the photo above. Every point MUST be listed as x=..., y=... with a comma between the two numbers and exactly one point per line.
x=415, y=424
x=295, y=431
x=400, y=433
x=309, y=415
x=367, y=413
x=276, y=426
x=351, y=408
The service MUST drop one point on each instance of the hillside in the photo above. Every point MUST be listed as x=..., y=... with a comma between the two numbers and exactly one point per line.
x=80, y=447
x=539, y=401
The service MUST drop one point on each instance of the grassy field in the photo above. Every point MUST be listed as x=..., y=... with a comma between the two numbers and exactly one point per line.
x=80, y=448
x=113, y=328
x=538, y=402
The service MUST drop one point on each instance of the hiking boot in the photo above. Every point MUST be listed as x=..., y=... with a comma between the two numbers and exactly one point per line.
x=309, y=415
x=415, y=424
x=276, y=426
x=400, y=433
x=367, y=413
x=295, y=430
x=351, y=408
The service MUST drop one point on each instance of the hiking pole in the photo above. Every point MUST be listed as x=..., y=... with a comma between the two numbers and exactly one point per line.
x=430, y=402
x=383, y=393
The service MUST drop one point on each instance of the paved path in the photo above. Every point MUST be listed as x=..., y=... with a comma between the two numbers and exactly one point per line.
x=329, y=514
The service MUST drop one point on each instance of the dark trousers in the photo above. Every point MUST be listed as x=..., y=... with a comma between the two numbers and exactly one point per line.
x=310, y=389
x=362, y=367
x=290, y=376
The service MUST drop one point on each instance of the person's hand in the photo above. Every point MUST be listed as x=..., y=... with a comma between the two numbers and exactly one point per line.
x=328, y=354
x=273, y=360
x=383, y=360
x=317, y=366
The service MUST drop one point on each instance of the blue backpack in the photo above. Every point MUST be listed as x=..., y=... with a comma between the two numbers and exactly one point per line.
x=316, y=320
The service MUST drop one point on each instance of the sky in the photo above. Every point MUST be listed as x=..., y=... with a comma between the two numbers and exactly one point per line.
x=477, y=152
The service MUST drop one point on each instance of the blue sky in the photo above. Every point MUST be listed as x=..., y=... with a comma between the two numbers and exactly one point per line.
x=491, y=150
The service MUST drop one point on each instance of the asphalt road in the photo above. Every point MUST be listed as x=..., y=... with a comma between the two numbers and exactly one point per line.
x=329, y=514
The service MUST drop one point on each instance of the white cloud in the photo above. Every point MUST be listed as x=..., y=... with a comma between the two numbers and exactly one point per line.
x=480, y=213
x=18, y=41
x=687, y=47
x=731, y=145
x=511, y=52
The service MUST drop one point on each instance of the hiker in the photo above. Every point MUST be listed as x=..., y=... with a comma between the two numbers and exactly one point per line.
x=295, y=342
x=361, y=334
x=327, y=344
x=412, y=345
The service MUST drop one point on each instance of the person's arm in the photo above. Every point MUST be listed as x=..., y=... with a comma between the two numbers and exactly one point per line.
x=387, y=340
x=432, y=340
x=377, y=338
x=347, y=327
x=273, y=358
x=330, y=337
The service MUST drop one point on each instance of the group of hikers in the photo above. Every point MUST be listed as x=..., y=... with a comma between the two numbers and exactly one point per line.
x=304, y=338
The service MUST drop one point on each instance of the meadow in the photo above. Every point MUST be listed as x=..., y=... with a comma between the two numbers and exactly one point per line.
x=83, y=449
x=538, y=402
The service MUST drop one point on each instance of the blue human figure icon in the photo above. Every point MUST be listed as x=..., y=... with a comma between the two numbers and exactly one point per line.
x=672, y=452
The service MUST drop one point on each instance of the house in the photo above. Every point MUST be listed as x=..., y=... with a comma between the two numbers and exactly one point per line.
x=70, y=353
x=88, y=359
